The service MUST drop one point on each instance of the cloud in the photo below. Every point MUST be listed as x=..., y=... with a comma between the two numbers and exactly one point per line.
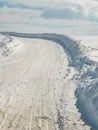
x=82, y=28
x=68, y=12
x=66, y=16
x=52, y=3
x=17, y=15
x=72, y=12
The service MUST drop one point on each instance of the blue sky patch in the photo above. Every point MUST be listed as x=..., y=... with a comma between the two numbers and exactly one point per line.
x=21, y=6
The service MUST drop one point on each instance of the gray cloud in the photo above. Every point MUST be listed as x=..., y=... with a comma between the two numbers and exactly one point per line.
x=67, y=12
x=75, y=12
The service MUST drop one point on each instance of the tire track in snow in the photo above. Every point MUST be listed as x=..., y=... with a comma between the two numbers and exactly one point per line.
x=75, y=60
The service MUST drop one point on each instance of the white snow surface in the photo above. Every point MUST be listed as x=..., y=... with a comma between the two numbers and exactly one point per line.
x=38, y=80
x=89, y=46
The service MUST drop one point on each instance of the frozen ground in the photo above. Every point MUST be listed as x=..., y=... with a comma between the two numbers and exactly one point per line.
x=38, y=81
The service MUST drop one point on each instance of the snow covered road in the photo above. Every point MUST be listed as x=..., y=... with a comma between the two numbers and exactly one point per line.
x=37, y=87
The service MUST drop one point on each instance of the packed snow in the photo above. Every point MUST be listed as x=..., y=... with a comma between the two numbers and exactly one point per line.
x=48, y=82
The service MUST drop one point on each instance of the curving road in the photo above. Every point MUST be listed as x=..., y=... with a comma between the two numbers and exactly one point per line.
x=37, y=90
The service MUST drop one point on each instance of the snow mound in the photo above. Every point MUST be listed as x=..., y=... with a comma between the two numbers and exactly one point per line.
x=9, y=45
x=87, y=82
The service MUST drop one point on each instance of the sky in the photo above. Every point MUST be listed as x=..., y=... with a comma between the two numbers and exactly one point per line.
x=71, y=17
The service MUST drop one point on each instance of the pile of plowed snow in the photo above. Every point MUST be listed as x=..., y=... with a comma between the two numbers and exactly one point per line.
x=9, y=45
x=87, y=88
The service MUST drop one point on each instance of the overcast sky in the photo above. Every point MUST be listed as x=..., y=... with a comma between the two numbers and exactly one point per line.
x=75, y=17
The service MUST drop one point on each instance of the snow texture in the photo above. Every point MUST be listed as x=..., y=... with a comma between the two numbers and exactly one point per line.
x=83, y=76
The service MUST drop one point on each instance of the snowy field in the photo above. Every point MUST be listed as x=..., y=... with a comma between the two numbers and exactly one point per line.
x=48, y=84
x=89, y=46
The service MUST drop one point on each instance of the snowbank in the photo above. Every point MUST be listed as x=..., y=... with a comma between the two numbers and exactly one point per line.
x=9, y=45
x=87, y=82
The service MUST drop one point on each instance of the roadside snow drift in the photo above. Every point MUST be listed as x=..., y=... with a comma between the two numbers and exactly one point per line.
x=9, y=45
x=87, y=82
